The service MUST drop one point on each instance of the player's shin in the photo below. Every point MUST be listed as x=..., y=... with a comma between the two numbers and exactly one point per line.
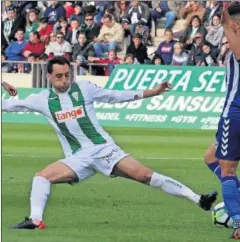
x=39, y=196
x=231, y=197
x=173, y=187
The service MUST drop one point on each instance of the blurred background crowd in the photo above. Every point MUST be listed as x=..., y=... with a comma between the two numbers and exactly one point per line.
x=112, y=32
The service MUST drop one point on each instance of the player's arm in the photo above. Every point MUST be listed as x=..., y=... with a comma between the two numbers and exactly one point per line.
x=233, y=39
x=12, y=91
x=30, y=104
x=112, y=96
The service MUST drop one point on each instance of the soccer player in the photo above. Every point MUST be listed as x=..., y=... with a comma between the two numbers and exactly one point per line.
x=12, y=91
x=228, y=134
x=88, y=148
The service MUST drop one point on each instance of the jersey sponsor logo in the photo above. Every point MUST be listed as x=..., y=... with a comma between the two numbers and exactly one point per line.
x=75, y=96
x=73, y=114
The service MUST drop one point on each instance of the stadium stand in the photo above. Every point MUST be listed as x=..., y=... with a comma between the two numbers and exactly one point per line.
x=88, y=32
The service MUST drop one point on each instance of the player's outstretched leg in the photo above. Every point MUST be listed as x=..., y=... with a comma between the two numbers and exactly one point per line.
x=55, y=173
x=131, y=168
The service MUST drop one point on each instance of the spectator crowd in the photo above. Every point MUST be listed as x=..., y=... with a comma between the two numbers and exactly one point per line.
x=95, y=32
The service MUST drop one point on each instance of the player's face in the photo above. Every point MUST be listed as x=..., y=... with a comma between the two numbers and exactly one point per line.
x=60, y=77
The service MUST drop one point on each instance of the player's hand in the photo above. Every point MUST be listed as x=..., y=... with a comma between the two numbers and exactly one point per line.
x=163, y=87
x=12, y=91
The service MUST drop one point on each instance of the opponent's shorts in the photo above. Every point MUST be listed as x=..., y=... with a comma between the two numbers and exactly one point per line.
x=228, y=139
x=85, y=164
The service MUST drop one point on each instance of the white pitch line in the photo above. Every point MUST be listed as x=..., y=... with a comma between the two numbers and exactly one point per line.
x=141, y=158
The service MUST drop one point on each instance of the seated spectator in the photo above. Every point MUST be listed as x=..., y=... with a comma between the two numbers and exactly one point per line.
x=15, y=48
x=81, y=51
x=195, y=26
x=212, y=8
x=138, y=49
x=168, y=9
x=24, y=6
x=54, y=12
x=100, y=7
x=111, y=61
x=62, y=26
x=196, y=49
x=157, y=60
x=32, y=58
x=137, y=11
x=129, y=59
x=215, y=32
x=8, y=23
x=59, y=48
x=32, y=23
x=191, y=9
x=208, y=57
x=68, y=6
x=45, y=30
x=52, y=38
x=180, y=58
x=225, y=52
x=72, y=35
x=89, y=28
x=166, y=48
x=111, y=37
x=34, y=45
x=144, y=31
x=78, y=14
x=121, y=8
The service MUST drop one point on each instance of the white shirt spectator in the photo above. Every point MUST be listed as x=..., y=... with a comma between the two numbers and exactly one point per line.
x=59, y=49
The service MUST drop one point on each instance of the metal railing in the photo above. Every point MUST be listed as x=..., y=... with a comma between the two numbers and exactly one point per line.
x=38, y=71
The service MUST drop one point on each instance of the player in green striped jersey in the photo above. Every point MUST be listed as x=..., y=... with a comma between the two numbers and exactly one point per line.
x=88, y=148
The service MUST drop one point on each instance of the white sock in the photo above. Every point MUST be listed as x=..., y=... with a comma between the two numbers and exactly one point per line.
x=39, y=197
x=173, y=187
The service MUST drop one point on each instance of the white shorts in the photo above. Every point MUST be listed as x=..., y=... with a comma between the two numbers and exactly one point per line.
x=85, y=164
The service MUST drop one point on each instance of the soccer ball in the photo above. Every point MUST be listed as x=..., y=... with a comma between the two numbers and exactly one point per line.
x=220, y=216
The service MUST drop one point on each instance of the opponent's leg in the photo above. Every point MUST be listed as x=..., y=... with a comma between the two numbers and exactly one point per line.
x=133, y=169
x=231, y=194
x=213, y=163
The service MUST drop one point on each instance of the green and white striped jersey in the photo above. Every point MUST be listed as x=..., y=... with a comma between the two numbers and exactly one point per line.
x=72, y=114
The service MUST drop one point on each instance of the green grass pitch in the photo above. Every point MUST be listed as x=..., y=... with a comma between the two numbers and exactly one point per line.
x=103, y=209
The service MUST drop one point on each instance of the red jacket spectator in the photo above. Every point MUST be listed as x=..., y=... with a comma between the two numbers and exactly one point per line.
x=111, y=62
x=45, y=30
x=34, y=46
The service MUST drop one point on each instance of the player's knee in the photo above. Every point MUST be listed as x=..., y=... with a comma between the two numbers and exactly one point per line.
x=229, y=171
x=144, y=177
x=44, y=175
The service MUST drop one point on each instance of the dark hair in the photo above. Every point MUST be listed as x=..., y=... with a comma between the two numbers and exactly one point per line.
x=108, y=16
x=197, y=17
x=168, y=30
x=60, y=60
x=158, y=57
x=20, y=30
x=36, y=33
x=234, y=9
x=63, y=19
x=88, y=15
